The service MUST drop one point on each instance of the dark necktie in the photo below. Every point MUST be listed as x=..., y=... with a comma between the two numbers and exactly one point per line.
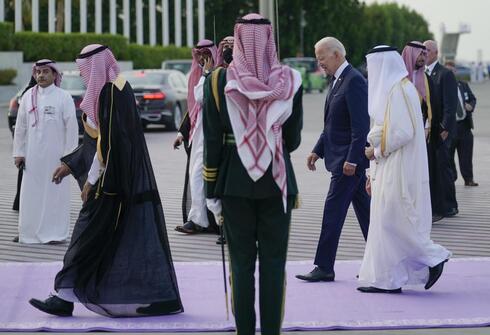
x=330, y=88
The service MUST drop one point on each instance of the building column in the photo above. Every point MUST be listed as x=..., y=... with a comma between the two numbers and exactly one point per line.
x=2, y=11
x=189, y=18
x=153, y=22
x=98, y=16
x=139, y=22
x=113, y=22
x=201, y=19
x=51, y=16
x=35, y=15
x=127, y=33
x=178, y=23
x=165, y=24
x=67, y=16
x=83, y=16
x=18, y=15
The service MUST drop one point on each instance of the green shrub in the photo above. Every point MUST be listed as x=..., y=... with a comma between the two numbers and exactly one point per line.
x=148, y=57
x=65, y=47
x=6, y=36
x=6, y=76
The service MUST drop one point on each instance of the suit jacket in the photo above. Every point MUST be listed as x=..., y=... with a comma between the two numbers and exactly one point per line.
x=346, y=123
x=444, y=101
x=468, y=97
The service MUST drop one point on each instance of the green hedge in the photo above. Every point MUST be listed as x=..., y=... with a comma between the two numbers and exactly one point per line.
x=6, y=36
x=65, y=47
x=148, y=57
x=6, y=76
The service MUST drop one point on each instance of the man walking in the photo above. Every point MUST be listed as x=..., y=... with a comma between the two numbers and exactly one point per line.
x=46, y=129
x=399, y=250
x=341, y=146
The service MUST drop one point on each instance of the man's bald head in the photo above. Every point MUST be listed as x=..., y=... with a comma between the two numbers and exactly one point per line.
x=330, y=53
x=432, y=51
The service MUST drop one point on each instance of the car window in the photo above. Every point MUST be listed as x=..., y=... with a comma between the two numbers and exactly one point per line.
x=182, y=67
x=72, y=83
x=146, y=78
x=182, y=81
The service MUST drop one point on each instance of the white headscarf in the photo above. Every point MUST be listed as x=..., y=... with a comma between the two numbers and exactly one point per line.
x=385, y=69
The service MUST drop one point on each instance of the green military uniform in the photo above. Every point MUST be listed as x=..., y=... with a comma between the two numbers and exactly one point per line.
x=254, y=217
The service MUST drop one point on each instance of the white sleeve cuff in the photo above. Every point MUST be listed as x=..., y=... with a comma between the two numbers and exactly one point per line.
x=94, y=173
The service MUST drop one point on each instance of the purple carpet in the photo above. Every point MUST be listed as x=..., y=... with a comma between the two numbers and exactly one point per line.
x=461, y=298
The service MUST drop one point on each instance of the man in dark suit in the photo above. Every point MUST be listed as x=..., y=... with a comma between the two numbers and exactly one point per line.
x=463, y=141
x=443, y=129
x=341, y=146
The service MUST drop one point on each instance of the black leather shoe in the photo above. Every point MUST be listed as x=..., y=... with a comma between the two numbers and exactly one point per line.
x=220, y=241
x=16, y=239
x=161, y=308
x=436, y=218
x=317, y=275
x=452, y=212
x=372, y=289
x=434, y=274
x=53, y=305
x=470, y=183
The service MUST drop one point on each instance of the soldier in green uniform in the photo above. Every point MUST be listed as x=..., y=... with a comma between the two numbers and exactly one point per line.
x=252, y=116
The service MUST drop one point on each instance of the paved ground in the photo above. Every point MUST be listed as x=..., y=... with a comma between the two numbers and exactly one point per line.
x=467, y=234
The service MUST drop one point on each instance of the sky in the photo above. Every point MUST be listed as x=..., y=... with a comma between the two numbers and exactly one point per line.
x=476, y=13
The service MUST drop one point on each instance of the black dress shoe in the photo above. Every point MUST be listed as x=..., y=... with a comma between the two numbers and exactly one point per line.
x=53, y=305
x=221, y=240
x=161, y=308
x=470, y=183
x=16, y=239
x=436, y=218
x=434, y=274
x=452, y=212
x=317, y=275
x=372, y=289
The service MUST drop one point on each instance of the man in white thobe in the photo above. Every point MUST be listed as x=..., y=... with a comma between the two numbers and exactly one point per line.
x=399, y=250
x=46, y=129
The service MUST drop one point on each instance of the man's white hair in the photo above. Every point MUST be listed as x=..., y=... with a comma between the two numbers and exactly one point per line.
x=332, y=44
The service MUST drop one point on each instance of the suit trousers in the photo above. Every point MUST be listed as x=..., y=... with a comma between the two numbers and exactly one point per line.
x=257, y=226
x=343, y=190
x=463, y=143
x=442, y=189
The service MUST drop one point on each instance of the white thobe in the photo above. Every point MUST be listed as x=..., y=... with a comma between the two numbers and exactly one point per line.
x=399, y=250
x=198, y=212
x=44, y=213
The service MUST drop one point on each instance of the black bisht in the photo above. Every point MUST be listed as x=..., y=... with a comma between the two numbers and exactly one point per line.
x=119, y=262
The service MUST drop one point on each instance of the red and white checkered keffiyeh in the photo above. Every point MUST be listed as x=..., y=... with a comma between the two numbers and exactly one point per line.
x=194, y=76
x=96, y=70
x=227, y=41
x=57, y=81
x=259, y=96
x=410, y=54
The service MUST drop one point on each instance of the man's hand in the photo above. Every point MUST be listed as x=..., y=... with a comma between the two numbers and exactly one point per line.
x=85, y=191
x=18, y=161
x=369, y=152
x=444, y=134
x=349, y=169
x=468, y=107
x=368, y=186
x=310, y=161
x=61, y=172
x=208, y=64
x=178, y=141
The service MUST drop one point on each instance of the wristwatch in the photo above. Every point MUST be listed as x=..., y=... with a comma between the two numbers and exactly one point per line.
x=206, y=72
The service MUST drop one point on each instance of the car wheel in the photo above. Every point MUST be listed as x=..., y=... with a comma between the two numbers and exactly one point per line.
x=176, y=118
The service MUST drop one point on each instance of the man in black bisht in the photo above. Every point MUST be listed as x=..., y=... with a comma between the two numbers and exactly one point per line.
x=118, y=262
